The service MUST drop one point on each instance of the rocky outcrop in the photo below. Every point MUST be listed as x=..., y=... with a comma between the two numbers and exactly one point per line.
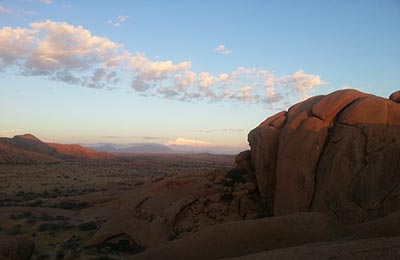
x=173, y=207
x=395, y=97
x=336, y=154
x=16, y=248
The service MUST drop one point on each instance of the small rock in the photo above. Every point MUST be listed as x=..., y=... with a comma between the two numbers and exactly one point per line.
x=242, y=156
x=219, y=179
x=202, y=200
x=211, y=215
x=240, y=193
x=250, y=186
x=246, y=207
x=251, y=215
x=234, y=207
x=244, y=166
x=207, y=185
x=157, y=179
x=215, y=197
x=395, y=96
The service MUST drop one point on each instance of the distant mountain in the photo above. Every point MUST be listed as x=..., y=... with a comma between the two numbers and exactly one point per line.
x=136, y=148
x=29, y=149
x=104, y=148
x=157, y=148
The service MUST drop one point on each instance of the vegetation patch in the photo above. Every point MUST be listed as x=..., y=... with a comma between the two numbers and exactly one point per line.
x=32, y=219
x=16, y=230
x=71, y=205
x=235, y=176
x=123, y=246
x=120, y=244
x=55, y=226
x=86, y=226
x=227, y=195
x=174, y=234
x=71, y=247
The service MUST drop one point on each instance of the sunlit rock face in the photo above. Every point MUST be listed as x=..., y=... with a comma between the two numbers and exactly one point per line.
x=337, y=154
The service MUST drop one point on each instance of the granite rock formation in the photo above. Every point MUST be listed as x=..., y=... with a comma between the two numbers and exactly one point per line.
x=337, y=154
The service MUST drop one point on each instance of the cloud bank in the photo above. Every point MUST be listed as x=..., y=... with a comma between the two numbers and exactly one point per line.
x=62, y=52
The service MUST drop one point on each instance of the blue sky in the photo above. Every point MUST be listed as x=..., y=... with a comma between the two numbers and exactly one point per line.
x=197, y=73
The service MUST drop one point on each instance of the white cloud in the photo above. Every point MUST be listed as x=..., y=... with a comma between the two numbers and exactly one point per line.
x=60, y=51
x=153, y=70
x=189, y=78
x=246, y=94
x=187, y=142
x=46, y=1
x=71, y=54
x=222, y=50
x=300, y=82
x=120, y=19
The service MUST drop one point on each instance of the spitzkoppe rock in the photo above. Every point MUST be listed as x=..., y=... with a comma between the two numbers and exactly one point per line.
x=337, y=154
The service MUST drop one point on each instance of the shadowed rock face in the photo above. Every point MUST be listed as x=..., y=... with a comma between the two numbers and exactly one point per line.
x=336, y=154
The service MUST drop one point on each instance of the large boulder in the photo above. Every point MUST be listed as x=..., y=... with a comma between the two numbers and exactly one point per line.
x=336, y=154
x=16, y=248
x=247, y=237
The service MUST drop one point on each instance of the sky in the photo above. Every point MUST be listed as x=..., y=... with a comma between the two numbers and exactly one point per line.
x=184, y=73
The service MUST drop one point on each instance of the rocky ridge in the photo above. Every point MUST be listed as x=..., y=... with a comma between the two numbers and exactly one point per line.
x=29, y=149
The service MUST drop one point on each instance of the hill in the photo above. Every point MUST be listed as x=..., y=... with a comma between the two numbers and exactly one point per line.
x=29, y=149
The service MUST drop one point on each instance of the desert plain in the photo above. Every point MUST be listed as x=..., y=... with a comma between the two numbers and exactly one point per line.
x=44, y=201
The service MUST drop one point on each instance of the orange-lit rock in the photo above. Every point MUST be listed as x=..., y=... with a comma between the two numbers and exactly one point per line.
x=336, y=154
